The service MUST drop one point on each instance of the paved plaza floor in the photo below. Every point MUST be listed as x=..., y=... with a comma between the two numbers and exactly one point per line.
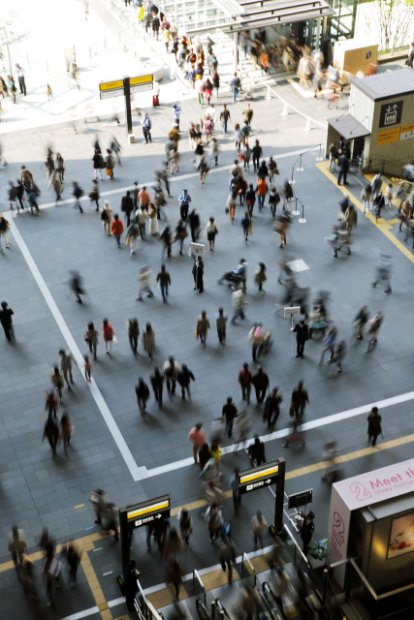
x=136, y=457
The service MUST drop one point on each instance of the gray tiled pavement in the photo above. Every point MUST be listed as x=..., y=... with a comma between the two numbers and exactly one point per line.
x=35, y=491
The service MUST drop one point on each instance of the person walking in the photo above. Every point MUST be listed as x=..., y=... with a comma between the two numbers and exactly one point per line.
x=174, y=575
x=360, y=321
x=144, y=275
x=246, y=224
x=6, y=321
x=260, y=380
x=227, y=557
x=245, y=381
x=194, y=222
x=142, y=392
x=184, y=200
x=87, y=368
x=186, y=526
x=164, y=279
x=131, y=586
x=171, y=370
x=17, y=546
x=77, y=193
x=107, y=217
x=256, y=452
x=257, y=153
x=73, y=558
x=94, y=194
x=91, y=337
x=260, y=276
x=259, y=527
x=373, y=327
x=198, y=275
x=109, y=164
x=117, y=228
x=51, y=432
x=66, y=430
x=271, y=409
x=108, y=335
x=302, y=335
x=221, y=325
x=21, y=79
x=211, y=232
x=133, y=334
x=328, y=344
x=202, y=327
x=197, y=437
x=146, y=128
x=66, y=367
x=299, y=400
x=127, y=207
x=229, y=413
x=184, y=378
x=343, y=167
x=231, y=205
x=57, y=381
x=224, y=118
x=51, y=404
x=374, y=426
x=57, y=185
x=157, y=384
x=235, y=85
x=148, y=340
x=238, y=301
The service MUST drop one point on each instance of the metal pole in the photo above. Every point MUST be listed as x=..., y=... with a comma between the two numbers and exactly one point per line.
x=295, y=210
x=128, y=114
x=302, y=219
x=280, y=490
x=320, y=158
x=9, y=59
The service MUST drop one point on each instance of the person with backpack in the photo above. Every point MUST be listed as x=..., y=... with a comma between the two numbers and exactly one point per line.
x=273, y=200
x=146, y=128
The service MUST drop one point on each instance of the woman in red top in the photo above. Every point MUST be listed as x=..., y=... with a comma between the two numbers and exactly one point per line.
x=108, y=335
x=117, y=228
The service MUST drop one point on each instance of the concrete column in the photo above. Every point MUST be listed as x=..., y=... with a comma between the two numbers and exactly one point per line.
x=236, y=50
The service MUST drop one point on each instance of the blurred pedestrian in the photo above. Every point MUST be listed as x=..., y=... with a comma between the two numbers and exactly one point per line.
x=299, y=400
x=259, y=527
x=73, y=558
x=76, y=284
x=186, y=527
x=245, y=381
x=117, y=228
x=184, y=378
x=302, y=335
x=142, y=392
x=227, y=556
x=374, y=426
x=144, y=275
x=271, y=410
x=94, y=194
x=6, y=321
x=106, y=217
x=373, y=327
x=51, y=433
x=133, y=334
x=157, y=383
x=221, y=325
x=202, y=327
x=260, y=381
x=17, y=545
x=108, y=335
x=306, y=530
x=198, y=275
x=66, y=367
x=56, y=378
x=229, y=413
x=66, y=430
x=91, y=337
x=87, y=368
x=256, y=452
x=148, y=340
x=131, y=585
x=77, y=193
x=164, y=279
x=211, y=232
x=197, y=437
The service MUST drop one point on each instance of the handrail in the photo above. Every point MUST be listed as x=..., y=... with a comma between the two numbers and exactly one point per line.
x=375, y=596
x=196, y=577
x=248, y=566
x=148, y=607
x=297, y=547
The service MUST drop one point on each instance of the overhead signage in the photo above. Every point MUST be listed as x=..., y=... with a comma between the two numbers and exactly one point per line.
x=259, y=477
x=390, y=114
x=147, y=512
x=115, y=88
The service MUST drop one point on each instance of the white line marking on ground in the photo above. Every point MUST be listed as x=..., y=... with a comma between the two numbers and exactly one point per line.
x=307, y=426
x=84, y=613
x=135, y=471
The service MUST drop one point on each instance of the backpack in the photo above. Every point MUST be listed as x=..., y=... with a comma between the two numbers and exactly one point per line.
x=104, y=216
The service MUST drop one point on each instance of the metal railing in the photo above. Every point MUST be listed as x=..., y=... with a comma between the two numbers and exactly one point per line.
x=297, y=551
x=144, y=608
x=197, y=581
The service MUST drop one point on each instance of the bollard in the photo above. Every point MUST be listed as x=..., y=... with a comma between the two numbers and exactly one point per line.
x=285, y=110
x=269, y=94
x=295, y=210
x=302, y=219
x=308, y=124
x=320, y=157
x=300, y=167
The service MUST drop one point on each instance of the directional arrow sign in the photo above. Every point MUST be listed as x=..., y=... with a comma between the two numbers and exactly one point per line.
x=258, y=477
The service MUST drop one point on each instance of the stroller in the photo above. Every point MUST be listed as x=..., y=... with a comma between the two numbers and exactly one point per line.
x=383, y=273
x=236, y=278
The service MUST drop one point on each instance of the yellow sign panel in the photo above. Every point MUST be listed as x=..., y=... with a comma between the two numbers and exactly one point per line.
x=388, y=135
x=263, y=473
x=104, y=86
x=407, y=132
x=164, y=505
x=141, y=79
